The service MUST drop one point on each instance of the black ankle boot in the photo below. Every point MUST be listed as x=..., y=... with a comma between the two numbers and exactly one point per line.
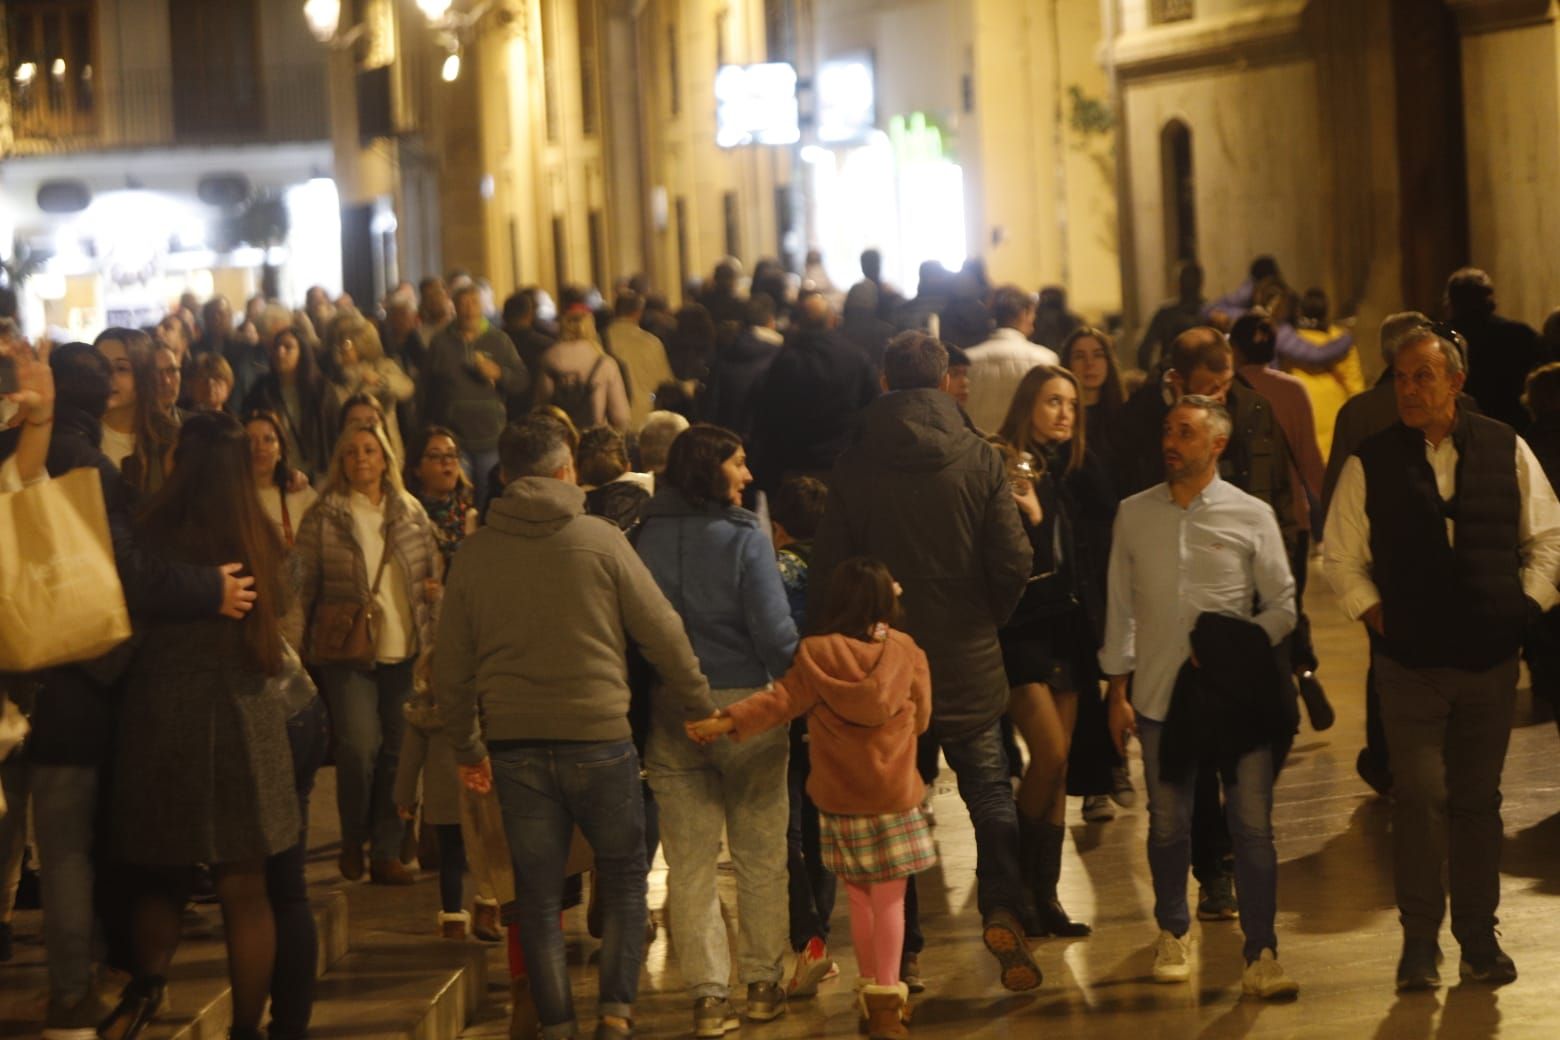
x=138, y=1005
x=1048, y=871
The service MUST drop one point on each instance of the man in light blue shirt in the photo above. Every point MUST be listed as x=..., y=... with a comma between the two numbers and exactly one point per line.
x=1193, y=545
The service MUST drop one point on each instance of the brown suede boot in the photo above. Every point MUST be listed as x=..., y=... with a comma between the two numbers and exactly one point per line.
x=485, y=924
x=885, y=1007
x=454, y=926
x=524, y=1023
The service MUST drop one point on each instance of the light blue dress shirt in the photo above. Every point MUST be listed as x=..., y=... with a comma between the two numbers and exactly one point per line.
x=1221, y=554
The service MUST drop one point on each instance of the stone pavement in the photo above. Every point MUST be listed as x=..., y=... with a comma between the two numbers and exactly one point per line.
x=390, y=977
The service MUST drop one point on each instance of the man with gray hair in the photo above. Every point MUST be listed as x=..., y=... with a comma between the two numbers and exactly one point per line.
x=538, y=612
x=1444, y=538
x=1361, y=417
x=1193, y=547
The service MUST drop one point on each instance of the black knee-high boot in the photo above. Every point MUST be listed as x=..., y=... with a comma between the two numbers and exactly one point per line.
x=1047, y=871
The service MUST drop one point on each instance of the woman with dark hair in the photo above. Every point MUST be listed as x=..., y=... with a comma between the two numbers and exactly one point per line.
x=203, y=770
x=715, y=563
x=369, y=542
x=273, y=472
x=444, y=490
x=137, y=433
x=1049, y=644
x=1090, y=354
x=296, y=392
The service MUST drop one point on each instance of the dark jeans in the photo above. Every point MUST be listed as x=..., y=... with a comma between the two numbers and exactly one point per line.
x=1249, y=806
x=1213, y=856
x=1375, y=728
x=546, y=789
x=1541, y=650
x=981, y=765
x=1448, y=730
x=812, y=887
x=297, y=944
x=452, y=867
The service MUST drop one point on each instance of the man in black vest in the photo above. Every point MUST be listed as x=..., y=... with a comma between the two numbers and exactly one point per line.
x=1443, y=536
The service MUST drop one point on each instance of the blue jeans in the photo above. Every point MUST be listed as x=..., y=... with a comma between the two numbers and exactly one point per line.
x=64, y=814
x=546, y=789
x=479, y=466
x=1248, y=806
x=365, y=710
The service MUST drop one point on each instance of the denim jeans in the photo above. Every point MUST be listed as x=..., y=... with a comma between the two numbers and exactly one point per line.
x=811, y=883
x=546, y=789
x=980, y=763
x=1249, y=808
x=741, y=788
x=365, y=711
x=479, y=467
x=64, y=814
x=297, y=942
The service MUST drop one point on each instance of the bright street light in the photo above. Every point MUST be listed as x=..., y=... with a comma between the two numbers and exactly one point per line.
x=434, y=10
x=451, y=70
x=324, y=17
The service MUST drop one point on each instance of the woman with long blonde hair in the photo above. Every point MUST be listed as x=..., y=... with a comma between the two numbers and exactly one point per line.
x=368, y=542
x=1049, y=645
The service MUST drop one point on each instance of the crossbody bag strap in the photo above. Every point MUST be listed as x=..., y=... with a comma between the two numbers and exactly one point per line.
x=384, y=558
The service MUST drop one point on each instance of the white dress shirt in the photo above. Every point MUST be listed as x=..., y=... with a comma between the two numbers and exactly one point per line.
x=1168, y=565
x=1346, y=556
x=996, y=366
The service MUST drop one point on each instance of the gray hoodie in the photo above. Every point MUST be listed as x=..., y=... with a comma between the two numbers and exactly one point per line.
x=538, y=612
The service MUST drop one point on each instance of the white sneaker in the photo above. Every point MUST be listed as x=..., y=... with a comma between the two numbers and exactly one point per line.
x=1265, y=978
x=1172, y=959
x=1096, y=808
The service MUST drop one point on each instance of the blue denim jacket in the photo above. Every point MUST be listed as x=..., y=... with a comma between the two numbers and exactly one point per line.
x=717, y=566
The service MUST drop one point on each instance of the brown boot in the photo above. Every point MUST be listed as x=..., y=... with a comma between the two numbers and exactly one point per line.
x=390, y=872
x=524, y=1024
x=350, y=862
x=484, y=922
x=885, y=1007
x=453, y=926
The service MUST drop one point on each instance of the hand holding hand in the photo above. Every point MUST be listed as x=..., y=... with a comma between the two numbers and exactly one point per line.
x=238, y=592
x=707, y=731
x=478, y=779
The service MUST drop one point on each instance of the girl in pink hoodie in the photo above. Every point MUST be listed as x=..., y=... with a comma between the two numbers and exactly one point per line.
x=867, y=693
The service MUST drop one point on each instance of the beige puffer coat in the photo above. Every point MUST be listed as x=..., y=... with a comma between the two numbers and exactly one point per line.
x=331, y=567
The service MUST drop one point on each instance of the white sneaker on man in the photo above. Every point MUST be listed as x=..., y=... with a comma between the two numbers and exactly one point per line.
x=1266, y=979
x=1172, y=958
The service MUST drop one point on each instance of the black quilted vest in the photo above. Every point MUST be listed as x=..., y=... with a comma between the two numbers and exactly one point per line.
x=1446, y=606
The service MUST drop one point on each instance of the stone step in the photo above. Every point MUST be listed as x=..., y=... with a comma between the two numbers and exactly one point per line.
x=200, y=1001
x=398, y=987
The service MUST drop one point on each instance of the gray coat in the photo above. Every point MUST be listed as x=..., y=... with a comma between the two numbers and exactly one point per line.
x=332, y=568
x=923, y=494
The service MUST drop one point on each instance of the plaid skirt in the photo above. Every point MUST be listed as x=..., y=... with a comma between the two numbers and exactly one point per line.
x=884, y=847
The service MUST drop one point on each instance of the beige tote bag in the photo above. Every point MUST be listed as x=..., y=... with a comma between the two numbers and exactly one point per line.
x=60, y=597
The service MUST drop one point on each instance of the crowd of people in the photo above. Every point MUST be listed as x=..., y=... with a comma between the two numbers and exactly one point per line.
x=570, y=585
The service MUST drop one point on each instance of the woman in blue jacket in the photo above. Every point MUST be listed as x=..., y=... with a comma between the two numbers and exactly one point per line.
x=715, y=563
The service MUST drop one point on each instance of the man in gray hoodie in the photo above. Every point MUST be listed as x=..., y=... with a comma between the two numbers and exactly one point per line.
x=538, y=613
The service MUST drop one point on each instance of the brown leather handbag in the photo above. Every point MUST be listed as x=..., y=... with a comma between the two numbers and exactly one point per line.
x=345, y=632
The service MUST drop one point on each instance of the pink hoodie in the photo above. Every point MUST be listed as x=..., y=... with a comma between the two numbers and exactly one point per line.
x=865, y=704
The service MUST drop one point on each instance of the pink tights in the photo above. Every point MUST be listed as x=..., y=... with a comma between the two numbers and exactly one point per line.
x=877, y=927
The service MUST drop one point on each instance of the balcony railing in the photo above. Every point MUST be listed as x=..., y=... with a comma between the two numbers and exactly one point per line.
x=151, y=108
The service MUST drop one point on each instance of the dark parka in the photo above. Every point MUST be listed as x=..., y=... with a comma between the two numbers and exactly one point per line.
x=923, y=494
